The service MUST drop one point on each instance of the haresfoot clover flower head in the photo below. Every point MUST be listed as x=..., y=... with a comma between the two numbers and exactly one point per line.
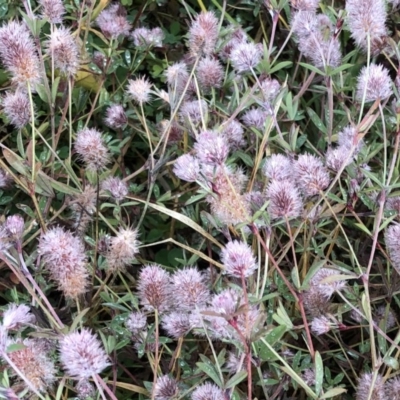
x=211, y=148
x=122, y=249
x=374, y=82
x=245, y=56
x=19, y=55
x=166, y=388
x=17, y=315
x=136, y=322
x=82, y=354
x=53, y=10
x=63, y=49
x=207, y=391
x=33, y=362
x=238, y=259
x=203, y=34
x=284, y=199
x=367, y=23
x=148, y=37
x=189, y=289
x=370, y=387
x=113, y=22
x=91, y=149
x=392, y=240
x=278, y=167
x=65, y=258
x=210, y=73
x=176, y=324
x=17, y=108
x=187, y=168
x=115, y=116
x=154, y=288
x=116, y=187
x=139, y=90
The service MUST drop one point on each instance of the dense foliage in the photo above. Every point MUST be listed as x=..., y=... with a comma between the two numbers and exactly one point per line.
x=200, y=200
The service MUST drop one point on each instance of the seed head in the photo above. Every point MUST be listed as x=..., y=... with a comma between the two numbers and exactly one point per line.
x=310, y=174
x=53, y=10
x=82, y=354
x=192, y=112
x=154, y=288
x=91, y=149
x=139, y=90
x=64, y=256
x=32, y=360
x=211, y=148
x=115, y=116
x=284, y=200
x=256, y=118
x=189, y=289
x=18, y=54
x=144, y=37
x=123, y=249
x=376, y=83
x=207, y=391
x=17, y=108
x=278, y=167
x=176, y=324
x=367, y=19
x=210, y=73
x=203, y=34
x=320, y=325
x=116, y=187
x=112, y=21
x=392, y=240
x=238, y=259
x=62, y=48
x=16, y=316
x=245, y=56
x=177, y=76
x=136, y=322
x=336, y=158
x=305, y=5
x=85, y=390
x=364, y=386
x=233, y=131
x=187, y=168
x=15, y=226
x=166, y=388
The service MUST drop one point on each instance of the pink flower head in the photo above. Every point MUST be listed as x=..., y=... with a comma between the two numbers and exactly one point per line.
x=234, y=133
x=139, y=90
x=211, y=148
x=203, y=34
x=375, y=81
x=115, y=116
x=116, y=187
x=145, y=37
x=245, y=56
x=209, y=73
x=238, y=259
x=17, y=315
x=189, y=289
x=166, y=388
x=82, y=354
x=187, y=168
x=15, y=226
x=255, y=117
x=278, y=167
x=91, y=149
x=112, y=21
x=284, y=200
x=176, y=324
x=53, y=10
x=392, y=240
x=17, y=109
x=207, y=391
x=154, y=288
x=136, y=322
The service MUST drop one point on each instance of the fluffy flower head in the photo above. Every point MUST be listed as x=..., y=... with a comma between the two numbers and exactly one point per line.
x=82, y=354
x=112, y=21
x=203, y=34
x=375, y=82
x=238, y=259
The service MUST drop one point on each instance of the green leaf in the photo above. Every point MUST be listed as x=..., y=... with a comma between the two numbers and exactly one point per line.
x=316, y=120
x=312, y=68
x=319, y=372
x=236, y=379
x=391, y=362
x=333, y=393
x=210, y=370
x=279, y=66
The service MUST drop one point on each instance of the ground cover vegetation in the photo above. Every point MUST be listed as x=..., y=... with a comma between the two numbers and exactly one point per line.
x=200, y=199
